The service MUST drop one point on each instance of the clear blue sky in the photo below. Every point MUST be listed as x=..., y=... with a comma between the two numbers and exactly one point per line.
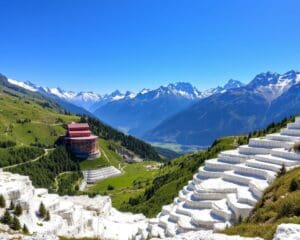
x=105, y=45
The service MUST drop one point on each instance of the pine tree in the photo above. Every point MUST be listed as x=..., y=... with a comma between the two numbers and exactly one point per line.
x=47, y=218
x=294, y=185
x=18, y=210
x=15, y=224
x=25, y=229
x=282, y=171
x=12, y=205
x=6, y=219
x=240, y=219
x=2, y=201
x=42, y=210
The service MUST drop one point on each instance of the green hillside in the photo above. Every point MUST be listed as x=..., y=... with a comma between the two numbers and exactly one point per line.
x=30, y=125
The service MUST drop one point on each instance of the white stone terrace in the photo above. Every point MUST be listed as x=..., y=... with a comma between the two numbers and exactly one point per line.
x=92, y=176
x=229, y=186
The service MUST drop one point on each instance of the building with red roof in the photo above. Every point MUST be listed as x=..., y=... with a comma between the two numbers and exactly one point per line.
x=81, y=142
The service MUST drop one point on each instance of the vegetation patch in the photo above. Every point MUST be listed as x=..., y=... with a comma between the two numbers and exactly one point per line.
x=68, y=183
x=296, y=147
x=279, y=204
x=44, y=171
x=16, y=155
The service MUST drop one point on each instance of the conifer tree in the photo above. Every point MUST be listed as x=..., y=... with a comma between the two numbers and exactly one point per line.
x=47, y=218
x=18, y=210
x=12, y=205
x=42, y=210
x=282, y=171
x=15, y=224
x=2, y=201
x=25, y=229
x=6, y=218
x=294, y=185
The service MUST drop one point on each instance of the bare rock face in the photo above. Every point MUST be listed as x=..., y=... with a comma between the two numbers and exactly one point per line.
x=70, y=216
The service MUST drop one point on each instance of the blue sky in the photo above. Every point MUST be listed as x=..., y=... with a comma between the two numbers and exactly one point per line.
x=106, y=45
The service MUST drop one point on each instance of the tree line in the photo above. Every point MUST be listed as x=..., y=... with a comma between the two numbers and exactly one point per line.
x=44, y=171
x=15, y=155
x=139, y=147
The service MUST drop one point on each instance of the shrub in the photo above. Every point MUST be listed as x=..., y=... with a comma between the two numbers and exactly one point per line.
x=42, y=211
x=290, y=206
x=296, y=147
x=7, y=144
x=15, y=224
x=6, y=218
x=12, y=205
x=25, y=229
x=282, y=171
x=47, y=218
x=2, y=201
x=18, y=210
x=110, y=187
x=294, y=185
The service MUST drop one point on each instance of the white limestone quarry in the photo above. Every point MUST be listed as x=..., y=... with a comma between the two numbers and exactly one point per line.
x=287, y=232
x=283, y=232
x=92, y=176
x=70, y=216
x=227, y=187
x=208, y=235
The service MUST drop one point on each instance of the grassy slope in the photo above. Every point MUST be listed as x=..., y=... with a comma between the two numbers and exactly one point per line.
x=107, y=158
x=278, y=205
x=123, y=185
x=45, y=125
x=134, y=180
x=172, y=177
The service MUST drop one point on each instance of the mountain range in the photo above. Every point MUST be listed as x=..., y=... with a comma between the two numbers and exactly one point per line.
x=180, y=113
x=134, y=113
x=267, y=98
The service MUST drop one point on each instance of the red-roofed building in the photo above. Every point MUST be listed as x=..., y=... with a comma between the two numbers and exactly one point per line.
x=81, y=142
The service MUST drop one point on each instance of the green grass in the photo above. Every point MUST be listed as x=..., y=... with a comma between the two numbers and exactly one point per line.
x=135, y=178
x=45, y=124
x=278, y=205
x=108, y=157
x=68, y=182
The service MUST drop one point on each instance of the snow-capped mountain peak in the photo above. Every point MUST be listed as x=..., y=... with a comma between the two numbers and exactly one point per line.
x=272, y=85
x=232, y=84
x=88, y=96
x=22, y=85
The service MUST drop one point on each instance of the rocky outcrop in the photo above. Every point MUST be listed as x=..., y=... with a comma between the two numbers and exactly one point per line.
x=287, y=232
x=70, y=216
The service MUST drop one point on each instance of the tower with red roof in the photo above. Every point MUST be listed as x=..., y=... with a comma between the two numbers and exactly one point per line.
x=81, y=142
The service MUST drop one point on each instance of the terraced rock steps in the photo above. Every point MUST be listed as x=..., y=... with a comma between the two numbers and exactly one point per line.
x=228, y=187
x=71, y=216
x=92, y=176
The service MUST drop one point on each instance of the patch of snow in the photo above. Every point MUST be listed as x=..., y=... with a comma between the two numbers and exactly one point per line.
x=22, y=85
